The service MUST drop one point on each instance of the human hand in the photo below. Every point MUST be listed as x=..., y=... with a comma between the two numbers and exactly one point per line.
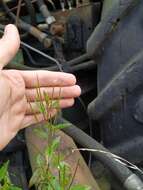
x=18, y=86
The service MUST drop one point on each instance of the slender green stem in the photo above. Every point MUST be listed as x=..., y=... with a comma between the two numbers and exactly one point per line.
x=39, y=94
x=36, y=118
x=73, y=175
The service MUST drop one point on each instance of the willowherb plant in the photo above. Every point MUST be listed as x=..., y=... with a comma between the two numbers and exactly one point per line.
x=52, y=172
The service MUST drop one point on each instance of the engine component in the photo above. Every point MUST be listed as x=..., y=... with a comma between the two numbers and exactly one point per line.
x=119, y=61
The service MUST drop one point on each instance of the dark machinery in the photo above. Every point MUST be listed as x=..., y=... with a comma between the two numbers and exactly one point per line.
x=101, y=42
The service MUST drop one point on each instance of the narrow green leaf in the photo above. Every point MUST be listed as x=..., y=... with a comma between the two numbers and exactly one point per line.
x=65, y=173
x=55, y=143
x=61, y=126
x=52, y=148
x=14, y=188
x=46, y=98
x=3, y=170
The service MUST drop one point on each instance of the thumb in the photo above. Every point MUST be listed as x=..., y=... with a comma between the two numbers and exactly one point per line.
x=9, y=44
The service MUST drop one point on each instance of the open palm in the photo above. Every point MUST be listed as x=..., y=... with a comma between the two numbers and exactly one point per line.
x=16, y=87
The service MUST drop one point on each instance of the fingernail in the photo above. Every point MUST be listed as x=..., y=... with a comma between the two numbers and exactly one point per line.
x=7, y=28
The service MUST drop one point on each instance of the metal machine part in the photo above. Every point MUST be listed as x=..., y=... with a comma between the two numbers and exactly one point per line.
x=120, y=78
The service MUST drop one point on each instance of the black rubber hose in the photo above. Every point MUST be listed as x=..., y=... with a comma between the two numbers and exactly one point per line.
x=79, y=59
x=119, y=170
x=81, y=66
x=31, y=12
x=88, y=65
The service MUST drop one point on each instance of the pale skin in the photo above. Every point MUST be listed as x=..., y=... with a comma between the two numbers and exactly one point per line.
x=16, y=87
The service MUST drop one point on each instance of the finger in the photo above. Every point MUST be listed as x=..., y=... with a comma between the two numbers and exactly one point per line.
x=47, y=78
x=9, y=44
x=30, y=119
x=56, y=92
x=33, y=107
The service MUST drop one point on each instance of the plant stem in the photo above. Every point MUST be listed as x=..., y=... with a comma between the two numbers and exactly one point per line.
x=73, y=175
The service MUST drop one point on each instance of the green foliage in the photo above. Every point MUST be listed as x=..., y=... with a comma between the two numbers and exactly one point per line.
x=3, y=171
x=60, y=126
x=5, y=183
x=50, y=150
x=52, y=172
